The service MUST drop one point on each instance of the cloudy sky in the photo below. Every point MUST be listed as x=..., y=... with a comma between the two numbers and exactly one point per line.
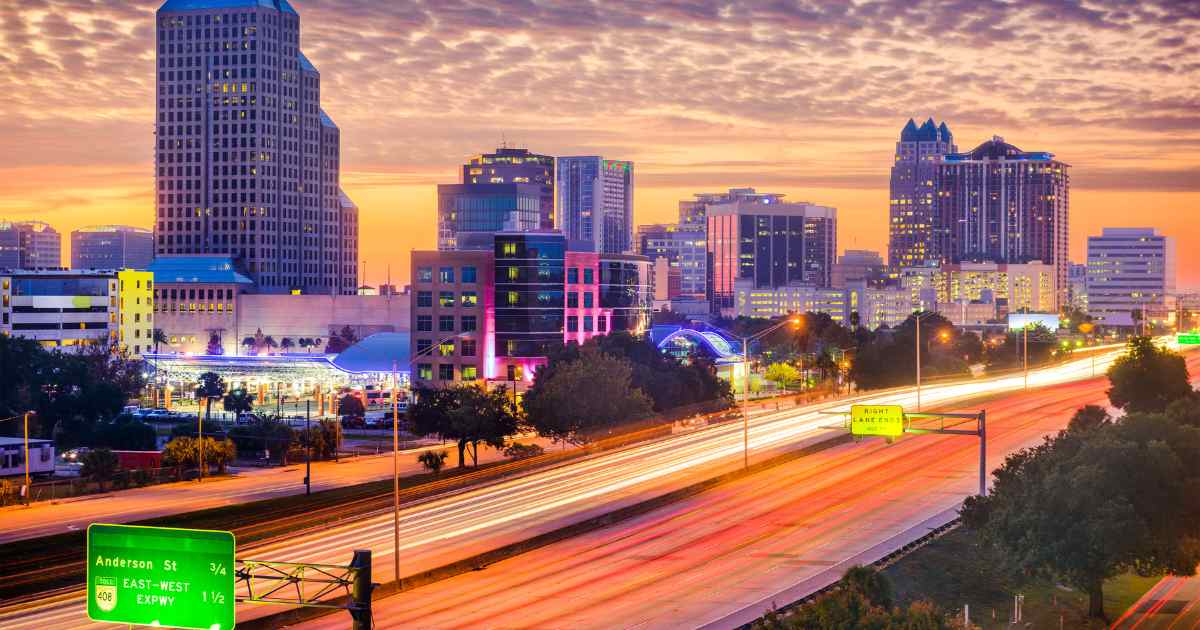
x=805, y=98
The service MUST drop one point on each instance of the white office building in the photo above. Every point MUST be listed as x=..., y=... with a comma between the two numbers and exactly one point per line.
x=1131, y=272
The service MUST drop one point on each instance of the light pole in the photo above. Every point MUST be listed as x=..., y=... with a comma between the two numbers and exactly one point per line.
x=28, y=488
x=308, y=450
x=917, y=320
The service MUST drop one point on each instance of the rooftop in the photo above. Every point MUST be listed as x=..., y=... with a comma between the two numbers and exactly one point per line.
x=381, y=352
x=201, y=5
x=197, y=269
x=111, y=228
x=998, y=149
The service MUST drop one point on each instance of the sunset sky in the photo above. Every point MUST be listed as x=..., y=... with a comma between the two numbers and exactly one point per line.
x=803, y=98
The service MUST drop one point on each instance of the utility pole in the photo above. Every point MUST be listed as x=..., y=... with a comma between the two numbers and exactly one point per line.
x=745, y=403
x=28, y=488
x=200, y=442
x=1026, y=344
x=918, y=322
x=395, y=474
x=307, y=449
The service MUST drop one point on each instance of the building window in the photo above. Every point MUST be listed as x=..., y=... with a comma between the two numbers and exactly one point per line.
x=446, y=348
x=587, y=323
x=445, y=323
x=425, y=371
x=424, y=299
x=514, y=298
x=468, y=347
x=602, y=323
x=468, y=275
x=469, y=373
x=423, y=346
x=515, y=373
x=446, y=275
x=573, y=275
x=588, y=276
x=572, y=323
x=572, y=300
x=469, y=298
x=587, y=300
x=446, y=372
x=424, y=323
x=508, y=249
x=424, y=274
x=446, y=299
x=468, y=323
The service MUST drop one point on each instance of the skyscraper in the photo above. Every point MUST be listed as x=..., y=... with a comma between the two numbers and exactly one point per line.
x=1000, y=204
x=595, y=202
x=768, y=243
x=247, y=162
x=915, y=236
x=693, y=211
x=683, y=247
x=516, y=166
x=29, y=245
x=483, y=209
x=111, y=247
x=1130, y=276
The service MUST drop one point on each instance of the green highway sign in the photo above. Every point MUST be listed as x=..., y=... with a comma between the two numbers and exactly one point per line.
x=1188, y=339
x=160, y=576
x=885, y=420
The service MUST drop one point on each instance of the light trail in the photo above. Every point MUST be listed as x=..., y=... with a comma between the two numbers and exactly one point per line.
x=453, y=527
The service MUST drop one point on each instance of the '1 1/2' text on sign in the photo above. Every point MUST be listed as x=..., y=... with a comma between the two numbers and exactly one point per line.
x=161, y=576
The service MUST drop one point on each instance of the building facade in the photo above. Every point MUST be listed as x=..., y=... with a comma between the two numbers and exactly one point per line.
x=1131, y=277
x=1014, y=288
x=111, y=247
x=483, y=209
x=75, y=309
x=858, y=303
x=516, y=166
x=1077, y=286
x=770, y=243
x=247, y=162
x=29, y=245
x=452, y=316
x=855, y=265
x=595, y=202
x=916, y=234
x=1000, y=204
x=684, y=247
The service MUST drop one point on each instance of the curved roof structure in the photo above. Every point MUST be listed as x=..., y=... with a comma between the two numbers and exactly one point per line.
x=998, y=149
x=377, y=353
x=713, y=343
x=197, y=269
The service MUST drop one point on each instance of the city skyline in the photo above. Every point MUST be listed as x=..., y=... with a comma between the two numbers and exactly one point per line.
x=1131, y=146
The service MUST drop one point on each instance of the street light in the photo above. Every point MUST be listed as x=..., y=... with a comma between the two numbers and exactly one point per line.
x=795, y=321
x=918, y=319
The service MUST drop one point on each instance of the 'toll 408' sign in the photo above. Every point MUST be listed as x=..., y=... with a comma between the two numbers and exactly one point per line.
x=160, y=576
x=885, y=420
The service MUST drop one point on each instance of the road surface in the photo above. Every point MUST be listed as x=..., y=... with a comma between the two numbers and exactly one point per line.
x=1172, y=604
x=450, y=528
x=699, y=561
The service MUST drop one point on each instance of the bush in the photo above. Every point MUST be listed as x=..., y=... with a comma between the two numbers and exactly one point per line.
x=101, y=464
x=433, y=461
x=517, y=451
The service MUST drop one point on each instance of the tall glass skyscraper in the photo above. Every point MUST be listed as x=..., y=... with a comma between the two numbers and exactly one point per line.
x=595, y=202
x=247, y=162
x=516, y=166
x=915, y=233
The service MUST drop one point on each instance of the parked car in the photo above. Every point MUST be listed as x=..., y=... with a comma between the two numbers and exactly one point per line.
x=353, y=422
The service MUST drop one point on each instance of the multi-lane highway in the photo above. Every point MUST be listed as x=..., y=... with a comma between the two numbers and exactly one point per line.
x=1171, y=604
x=454, y=527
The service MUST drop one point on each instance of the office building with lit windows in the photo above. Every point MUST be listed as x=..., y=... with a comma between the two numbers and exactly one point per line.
x=915, y=234
x=29, y=245
x=1131, y=277
x=595, y=202
x=683, y=247
x=247, y=162
x=770, y=243
x=468, y=214
x=999, y=204
x=516, y=166
x=111, y=247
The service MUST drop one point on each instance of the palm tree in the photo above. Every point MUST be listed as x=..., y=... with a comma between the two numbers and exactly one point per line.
x=287, y=344
x=305, y=343
x=159, y=338
x=211, y=386
x=269, y=343
x=249, y=343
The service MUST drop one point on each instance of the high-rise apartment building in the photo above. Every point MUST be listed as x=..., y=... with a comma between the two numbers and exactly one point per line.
x=595, y=202
x=29, y=245
x=1130, y=276
x=111, y=247
x=247, y=162
x=915, y=233
x=1000, y=204
x=683, y=247
x=770, y=243
x=516, y=166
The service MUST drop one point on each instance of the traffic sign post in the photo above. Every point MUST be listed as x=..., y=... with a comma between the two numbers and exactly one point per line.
x=160, y=576
x=884, y=420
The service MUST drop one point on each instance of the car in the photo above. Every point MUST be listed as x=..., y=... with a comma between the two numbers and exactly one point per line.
x=244, y=419
x=353, y=422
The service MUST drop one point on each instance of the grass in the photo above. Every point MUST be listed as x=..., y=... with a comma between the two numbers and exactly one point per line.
x=956, y=569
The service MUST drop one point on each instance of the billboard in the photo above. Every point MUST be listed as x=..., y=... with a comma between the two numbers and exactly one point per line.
x=1018, y=321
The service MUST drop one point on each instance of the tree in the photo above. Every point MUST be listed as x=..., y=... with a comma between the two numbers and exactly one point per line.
x=1147, y=378
x=159, y=337
x=215, y=347
x=210, y=386
x=286, y=344
x=433, y=461
x=239, y=401
x=100, y=464
x=1041, y=344
x=584, y=397
x=351, y=405
x=250, y=345
x=517, y=450
x=1098, y=499
x=180, y=453
x=467, y=414
x=124, y=433
x=861, y=600
x=267, y=434
x=782, y=373
x=339, y=342
x=321, y=438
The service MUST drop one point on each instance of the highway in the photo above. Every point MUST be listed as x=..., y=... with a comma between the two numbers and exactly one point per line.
x=449, y=528
x=1171, y=604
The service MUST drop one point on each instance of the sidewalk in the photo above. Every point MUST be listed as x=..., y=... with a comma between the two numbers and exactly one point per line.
x=245, y=485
